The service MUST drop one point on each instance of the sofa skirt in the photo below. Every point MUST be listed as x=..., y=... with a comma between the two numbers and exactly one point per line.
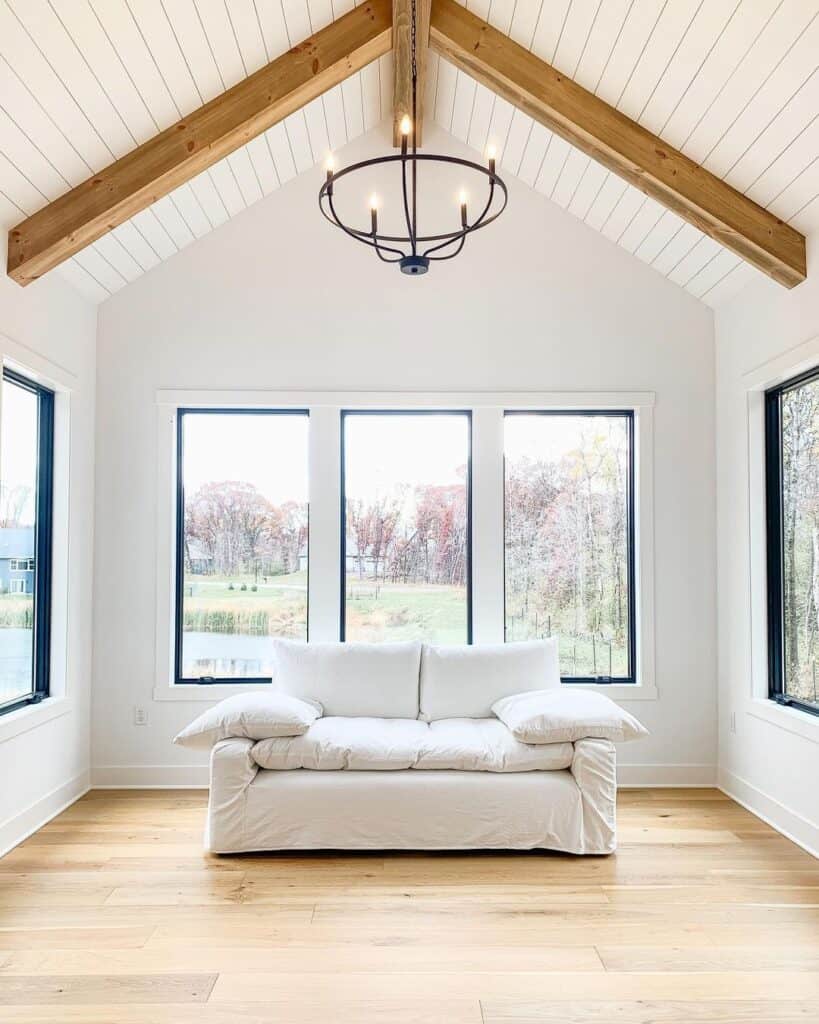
x=253, y=809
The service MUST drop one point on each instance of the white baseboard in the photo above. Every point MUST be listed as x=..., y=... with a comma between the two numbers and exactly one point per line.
x=149, y=776
x=172, y=776
x=666, y=776
x=22, y=825
x=791, y=824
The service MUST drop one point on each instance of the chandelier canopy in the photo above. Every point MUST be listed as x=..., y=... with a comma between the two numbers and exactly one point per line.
x=412, y=251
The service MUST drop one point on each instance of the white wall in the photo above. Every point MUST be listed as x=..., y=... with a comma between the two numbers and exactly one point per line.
x=45, y=750
x=277, y=299
x=771, y=761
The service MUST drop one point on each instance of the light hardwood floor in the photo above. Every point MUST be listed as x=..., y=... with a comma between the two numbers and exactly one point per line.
x=112, y=913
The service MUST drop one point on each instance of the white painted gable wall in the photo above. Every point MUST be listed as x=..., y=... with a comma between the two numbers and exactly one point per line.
x=278, y=299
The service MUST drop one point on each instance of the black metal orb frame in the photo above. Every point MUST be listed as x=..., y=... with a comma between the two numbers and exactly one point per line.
x=413, y=252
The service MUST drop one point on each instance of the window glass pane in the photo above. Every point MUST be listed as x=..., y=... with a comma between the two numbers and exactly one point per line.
x=18, y=516
x=406, y=486
x=800, y=538
x=244, y=540
x=567, y=545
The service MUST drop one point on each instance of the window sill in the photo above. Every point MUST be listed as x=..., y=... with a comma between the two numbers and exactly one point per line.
x=620, y=691
x=801, y=723
x=205, y=692
x=32, y=716
x=195, y=693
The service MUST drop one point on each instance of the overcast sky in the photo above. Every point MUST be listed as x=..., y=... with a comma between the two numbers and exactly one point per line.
x=271, y=451
x=18, y=444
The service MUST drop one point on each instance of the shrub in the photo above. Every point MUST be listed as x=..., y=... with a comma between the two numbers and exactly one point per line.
x=227, y=620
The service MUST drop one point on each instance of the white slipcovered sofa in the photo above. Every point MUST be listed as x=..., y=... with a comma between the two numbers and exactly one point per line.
x=407, y=754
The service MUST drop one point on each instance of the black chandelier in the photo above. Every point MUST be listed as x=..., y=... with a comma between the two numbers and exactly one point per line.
x=411, y=251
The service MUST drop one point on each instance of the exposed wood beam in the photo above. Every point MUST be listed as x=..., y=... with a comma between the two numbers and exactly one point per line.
x=129, y=185
x=402, y=64
x=618, y=143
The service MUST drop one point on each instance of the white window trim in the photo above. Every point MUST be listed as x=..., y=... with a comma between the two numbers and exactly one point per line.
x=62, y=382
x=324, y=478
x=757, y=381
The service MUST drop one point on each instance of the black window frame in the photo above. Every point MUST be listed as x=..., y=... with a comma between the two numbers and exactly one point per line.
x=629, y=417
x=179, y=533
x=774, y=536
x=344, y=413
x=43, y=541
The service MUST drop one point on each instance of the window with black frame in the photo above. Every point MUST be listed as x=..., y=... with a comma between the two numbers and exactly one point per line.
x=569, y=552
x=406, y=526
x=26, y=481
x=792, y=481
x=241, y=540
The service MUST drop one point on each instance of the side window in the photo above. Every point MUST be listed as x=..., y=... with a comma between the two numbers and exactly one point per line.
x=26, y=480
x=792, y=482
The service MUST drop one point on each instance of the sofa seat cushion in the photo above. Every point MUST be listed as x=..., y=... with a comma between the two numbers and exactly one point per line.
x=392, y=744
x=477, y=745
x=332, y=744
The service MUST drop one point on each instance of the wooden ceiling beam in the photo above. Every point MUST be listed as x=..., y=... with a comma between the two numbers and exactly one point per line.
x=617, y=142
x=402, y=64
x=187, y=148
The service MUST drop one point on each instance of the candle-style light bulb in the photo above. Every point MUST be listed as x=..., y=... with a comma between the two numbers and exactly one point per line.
x=462, y=201
x=491, y=156
x=406, y=125
x=330, y=166
x=374, y=214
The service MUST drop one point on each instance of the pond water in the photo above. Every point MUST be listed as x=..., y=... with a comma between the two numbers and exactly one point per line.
x=225, y=655
x=15, y=663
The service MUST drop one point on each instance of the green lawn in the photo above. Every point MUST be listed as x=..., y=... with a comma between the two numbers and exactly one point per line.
x=579, y=656
x=278, y=606
x=218, y=604
x=383, y=611
x=396, y=611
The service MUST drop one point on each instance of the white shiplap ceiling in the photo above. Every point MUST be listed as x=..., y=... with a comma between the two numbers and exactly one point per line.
x=734, y=84
x=82, y=82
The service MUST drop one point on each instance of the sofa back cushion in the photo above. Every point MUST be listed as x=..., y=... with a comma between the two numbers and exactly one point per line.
x=465, y=681
x=353, y=680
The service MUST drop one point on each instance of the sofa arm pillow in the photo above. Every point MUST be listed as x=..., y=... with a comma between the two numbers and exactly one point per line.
x=254, y=716
x=565, y=716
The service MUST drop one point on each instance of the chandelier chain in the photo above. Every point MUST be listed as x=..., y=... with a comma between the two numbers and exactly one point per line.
x=413, y=40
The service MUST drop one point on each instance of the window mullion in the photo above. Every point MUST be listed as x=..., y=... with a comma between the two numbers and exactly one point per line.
x=487, y=525
x=324, y=584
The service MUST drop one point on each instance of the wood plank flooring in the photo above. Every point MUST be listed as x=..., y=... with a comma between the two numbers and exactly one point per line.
x=112, y=913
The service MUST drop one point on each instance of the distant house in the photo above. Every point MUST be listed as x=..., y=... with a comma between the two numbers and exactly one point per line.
x=355, y=565
x=17, y=560
x=200, y=561
x=366, y=565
